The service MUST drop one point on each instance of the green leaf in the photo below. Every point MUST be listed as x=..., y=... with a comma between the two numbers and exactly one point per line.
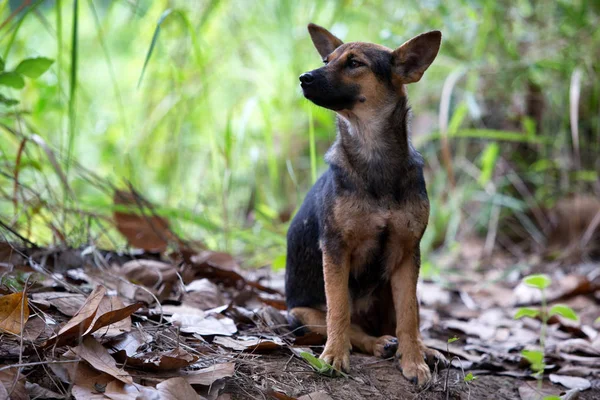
x=469, y=377
x=2, y=64
x=7, y=101
x=597, y=321
x=564, y=311
x=488, y=162
x=278, y=263
x=540, y=281
x=314, y=362
x=452, y=340
x=526, y=312
x=34, y=67
x=12, y=79
x=535, y=358
x=552, y=397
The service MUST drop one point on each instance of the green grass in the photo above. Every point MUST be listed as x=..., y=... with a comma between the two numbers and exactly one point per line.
x=197, y=104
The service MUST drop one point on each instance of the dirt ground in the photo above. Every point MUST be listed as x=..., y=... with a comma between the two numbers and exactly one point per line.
x=371, y=378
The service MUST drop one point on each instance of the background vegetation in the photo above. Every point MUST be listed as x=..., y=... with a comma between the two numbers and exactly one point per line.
x=197, y=105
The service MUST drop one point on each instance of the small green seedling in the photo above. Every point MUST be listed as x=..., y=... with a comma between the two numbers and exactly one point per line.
x=320, y=366
x=452, y=340
x=552, y=397
x=536, y=357
x=469, y=377
x=31, y=68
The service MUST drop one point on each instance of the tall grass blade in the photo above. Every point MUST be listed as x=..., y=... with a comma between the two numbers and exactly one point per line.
x=574, y=93
x=162, y=18
x=18, y=26
x=73, y=85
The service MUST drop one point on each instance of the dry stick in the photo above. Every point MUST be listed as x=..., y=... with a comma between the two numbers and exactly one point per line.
x=32, y=364
x=24, y=4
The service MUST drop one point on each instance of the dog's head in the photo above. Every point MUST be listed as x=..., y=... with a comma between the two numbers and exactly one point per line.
x=363, y=77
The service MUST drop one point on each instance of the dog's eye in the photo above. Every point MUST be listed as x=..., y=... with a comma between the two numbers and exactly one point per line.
x=325, y=61
x=355, y=64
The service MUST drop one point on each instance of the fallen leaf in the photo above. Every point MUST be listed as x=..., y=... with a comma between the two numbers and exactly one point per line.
x=98, y=357
x=247, y=343
x=529, y=391
x=176, y=389
x=148, y=232
x=203, y=294
x=162, y=361
x=207, y=376
x=39, y=392
x=113, y=315
x=66, y=303
x=315, y=396
x=82, y=319
x=131, y=342
x=149, y=273
x=10, y=386
x=571, y=382
x=195, y=322
x=34, y=328
x=217, y=266
x=14, y=312
x=117, y=390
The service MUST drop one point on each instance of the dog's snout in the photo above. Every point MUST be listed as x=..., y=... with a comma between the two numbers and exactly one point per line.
x=307, y=78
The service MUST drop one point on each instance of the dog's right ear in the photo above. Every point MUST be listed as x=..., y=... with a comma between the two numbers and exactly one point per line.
x=324, y=41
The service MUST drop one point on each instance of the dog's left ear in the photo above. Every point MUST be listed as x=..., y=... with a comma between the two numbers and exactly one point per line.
x=411, y=60
x=325, y=41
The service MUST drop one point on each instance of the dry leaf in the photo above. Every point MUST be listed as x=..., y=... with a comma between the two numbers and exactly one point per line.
x=315, y=396
x=82, y=319
x=176, y=389
x=7, y=380
x=203, y=294
x=571, y=382
x=14, y=312
x=248, y=343
x=207, y=325
x=207, y=376
x=39, y=392
x=148, y=232
x=66, y=303
x=149, y=272
x=131, y=342
x=530, y=391
x=113, y=315
x=98, y=357
x=162, y=361
x=117, y=390
x=34, y=328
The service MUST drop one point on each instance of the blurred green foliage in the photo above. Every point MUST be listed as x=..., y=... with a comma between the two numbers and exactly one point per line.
x=197, y=104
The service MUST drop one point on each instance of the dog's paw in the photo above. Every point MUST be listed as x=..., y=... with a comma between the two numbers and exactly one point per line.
x=385, y=346
x=415, y=370
x=434, y=358
x=338, y=356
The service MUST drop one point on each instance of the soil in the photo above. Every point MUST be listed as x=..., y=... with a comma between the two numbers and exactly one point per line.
x=370, y=378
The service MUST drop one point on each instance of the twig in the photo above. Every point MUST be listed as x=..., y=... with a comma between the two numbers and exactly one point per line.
x=32, y=364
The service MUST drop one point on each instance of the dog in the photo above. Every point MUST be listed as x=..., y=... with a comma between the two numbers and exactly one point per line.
x=353, y=255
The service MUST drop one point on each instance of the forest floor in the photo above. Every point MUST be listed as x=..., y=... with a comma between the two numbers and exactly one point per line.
x=91, y=324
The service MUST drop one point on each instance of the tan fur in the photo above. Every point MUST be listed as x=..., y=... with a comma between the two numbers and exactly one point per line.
x=315, y=320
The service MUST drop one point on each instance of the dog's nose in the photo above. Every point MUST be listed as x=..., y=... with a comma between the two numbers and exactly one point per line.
x=307, y=78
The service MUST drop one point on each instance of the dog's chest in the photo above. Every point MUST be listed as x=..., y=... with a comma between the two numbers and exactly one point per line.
x=377, y=232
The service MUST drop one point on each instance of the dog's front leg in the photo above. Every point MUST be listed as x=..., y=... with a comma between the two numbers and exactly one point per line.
x=411, y=349
x=336, y=272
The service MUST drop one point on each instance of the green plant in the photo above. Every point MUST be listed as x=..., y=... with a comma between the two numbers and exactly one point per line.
x=319, y=365
x=31, y=68
x=536, y=357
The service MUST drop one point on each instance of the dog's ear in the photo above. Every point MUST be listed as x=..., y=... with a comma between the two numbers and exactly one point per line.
x=324, y=41
x=411, y=60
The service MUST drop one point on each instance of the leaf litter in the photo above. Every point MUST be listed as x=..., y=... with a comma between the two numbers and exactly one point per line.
x=192, y=323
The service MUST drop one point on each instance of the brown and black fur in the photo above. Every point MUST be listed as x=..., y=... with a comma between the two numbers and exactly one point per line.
x=353, y=248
